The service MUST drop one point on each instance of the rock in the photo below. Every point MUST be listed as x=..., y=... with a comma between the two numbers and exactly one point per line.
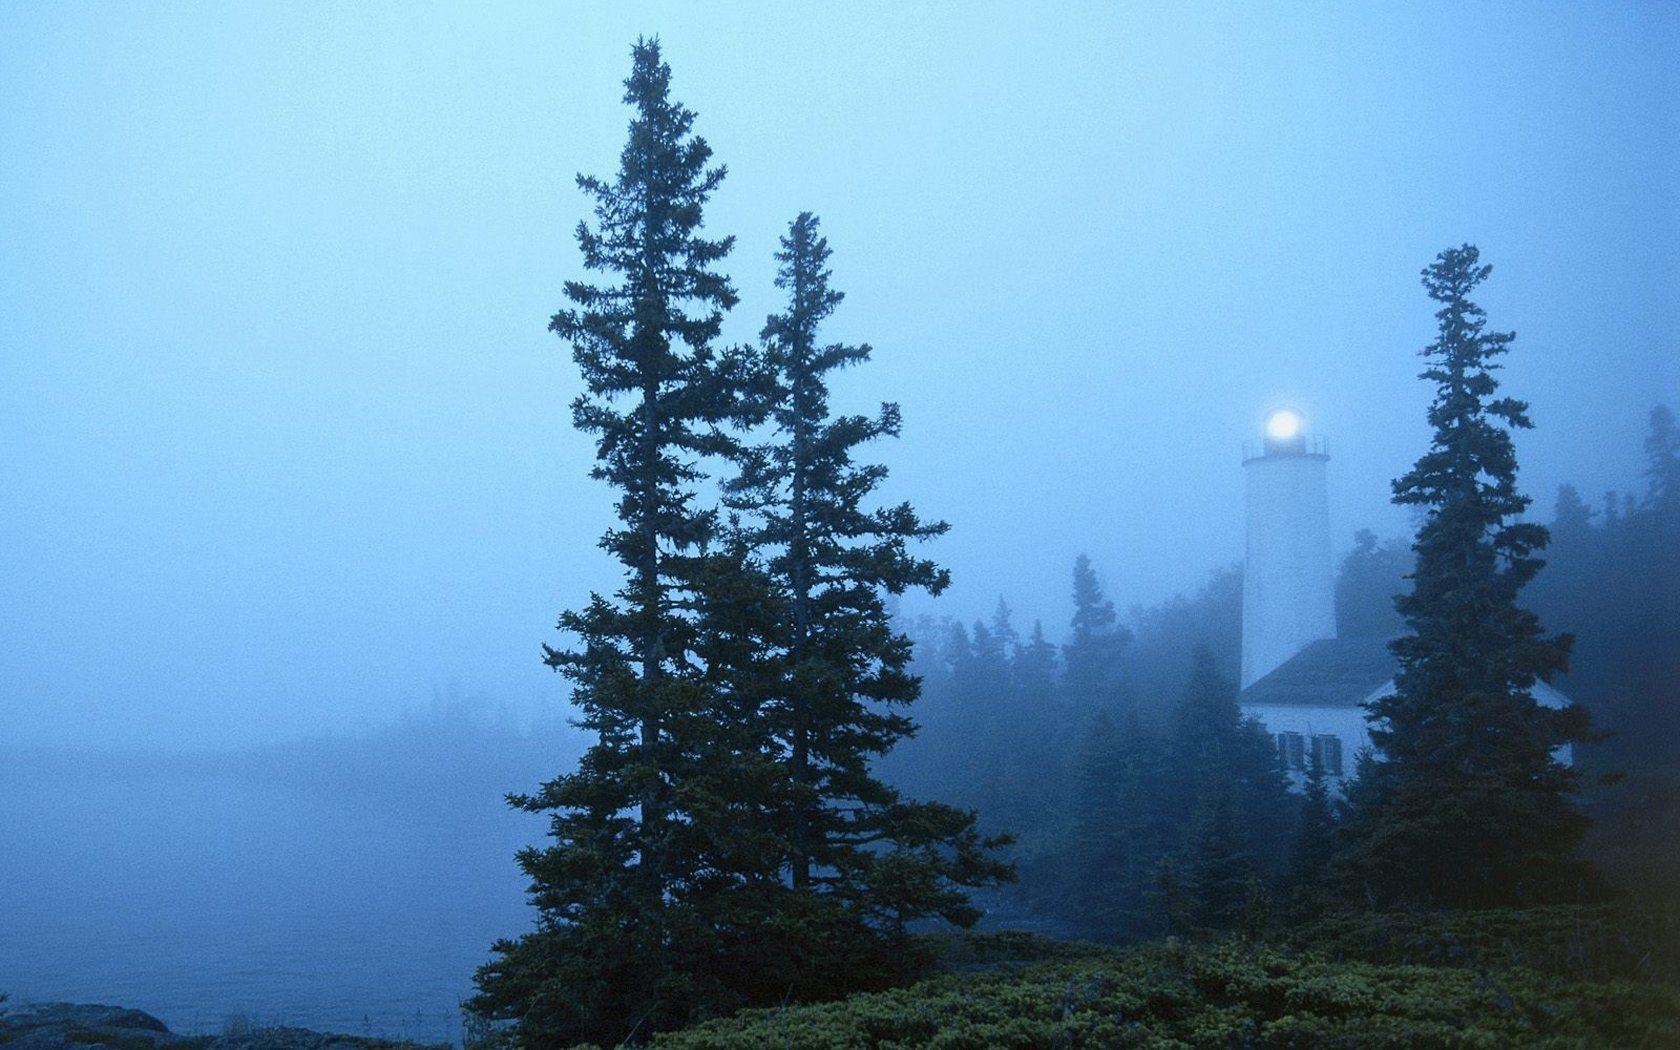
x=38, y=1015
x=78, y=1026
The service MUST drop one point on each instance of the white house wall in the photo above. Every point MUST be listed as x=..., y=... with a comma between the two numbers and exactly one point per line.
x=1345, y=723
x=1348, y=723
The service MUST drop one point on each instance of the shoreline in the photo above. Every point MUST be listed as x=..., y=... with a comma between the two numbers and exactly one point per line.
x=79, y=1026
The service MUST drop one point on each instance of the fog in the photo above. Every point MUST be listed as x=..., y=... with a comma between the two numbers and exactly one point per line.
x=287, y=443
x=287, y=448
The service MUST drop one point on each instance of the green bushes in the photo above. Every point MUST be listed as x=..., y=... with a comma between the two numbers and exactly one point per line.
x=1598, y=942
x=1230, y=994
x=958, y=952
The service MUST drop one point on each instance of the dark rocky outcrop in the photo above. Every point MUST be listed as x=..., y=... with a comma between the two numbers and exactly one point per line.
x=76, y=1026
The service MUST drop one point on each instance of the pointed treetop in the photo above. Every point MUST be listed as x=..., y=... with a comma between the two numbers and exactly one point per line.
x=1092, y=613
x=1662, y=457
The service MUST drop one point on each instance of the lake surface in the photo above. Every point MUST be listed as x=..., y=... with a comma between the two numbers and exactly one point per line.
x=208, y=889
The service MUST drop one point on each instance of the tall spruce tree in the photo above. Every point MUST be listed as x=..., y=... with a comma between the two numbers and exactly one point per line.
x=1570, y=513
x=1469, y=804
x=842, y=698
x=620, y=948
x=994, y=707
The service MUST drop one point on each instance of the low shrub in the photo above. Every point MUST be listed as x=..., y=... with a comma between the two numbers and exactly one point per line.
x=1171, y=994
x=957, y=952
x=1586, y=943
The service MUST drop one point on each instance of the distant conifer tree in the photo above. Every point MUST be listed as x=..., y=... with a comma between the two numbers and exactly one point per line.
x=1662, y=461
x=1096, y=863
x=1036, y=667
x=1039, y=736
x=1217, y=867
x=1315, y=843
x=1570, y=513
x=1115, y=843
x=1095, y=653
x=1371, y=576
x=1471, y=805
x=1213, y=743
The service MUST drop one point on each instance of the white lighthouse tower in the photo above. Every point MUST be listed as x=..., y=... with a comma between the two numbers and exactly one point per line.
x=1288, y=585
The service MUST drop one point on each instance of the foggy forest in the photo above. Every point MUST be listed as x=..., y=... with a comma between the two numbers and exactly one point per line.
x=839, y=526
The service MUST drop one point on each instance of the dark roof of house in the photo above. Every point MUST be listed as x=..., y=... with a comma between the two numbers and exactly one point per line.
x=1332, y=672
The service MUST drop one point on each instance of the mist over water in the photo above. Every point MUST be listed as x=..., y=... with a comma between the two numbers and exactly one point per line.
x=347, y=884
x=286, y=442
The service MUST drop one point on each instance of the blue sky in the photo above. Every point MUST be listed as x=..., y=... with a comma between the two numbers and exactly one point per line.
x=285, y=440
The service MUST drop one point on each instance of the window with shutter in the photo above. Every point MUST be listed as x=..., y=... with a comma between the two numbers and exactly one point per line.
x=1327, y=751
x=1292, y=750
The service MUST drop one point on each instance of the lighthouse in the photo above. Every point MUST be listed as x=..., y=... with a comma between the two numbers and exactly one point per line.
x=1308, y=687
x=1288, y=585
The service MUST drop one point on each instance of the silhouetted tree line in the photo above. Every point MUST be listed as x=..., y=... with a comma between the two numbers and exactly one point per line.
x=729, y=839
x=1139, y=810
x=1611, y=580
x=1120, y=760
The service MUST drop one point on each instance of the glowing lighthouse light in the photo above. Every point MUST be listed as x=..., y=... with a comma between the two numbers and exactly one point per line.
x=1283, y=425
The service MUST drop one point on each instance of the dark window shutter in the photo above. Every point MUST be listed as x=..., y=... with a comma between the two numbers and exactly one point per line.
x=1327, y=750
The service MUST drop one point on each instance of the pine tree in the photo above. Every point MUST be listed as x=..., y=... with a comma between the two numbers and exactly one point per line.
x=1217, y=868
x=620, y=941
x=1662, y=459
x=1639, y=589
x=991, y=689
x=1097, y=864
x=1118, y=829
x=1371, y=576
x=1204, y=729
x=1003, y=628
x=1217, y=757
x=1472, y=807
x=1039, y=738
x=1035, y=667
x=845, y=686
x=1093, y=614
x=1095, y=654
x=1314, y=849
x=1570, y=515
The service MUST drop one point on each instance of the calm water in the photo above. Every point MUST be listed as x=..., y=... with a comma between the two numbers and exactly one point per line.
x=203, y=890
